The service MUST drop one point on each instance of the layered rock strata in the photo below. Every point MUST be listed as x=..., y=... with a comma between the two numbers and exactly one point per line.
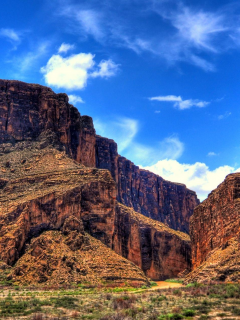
x=42, y=187
x=72, y=256
x=29, y=111
x=215, y=234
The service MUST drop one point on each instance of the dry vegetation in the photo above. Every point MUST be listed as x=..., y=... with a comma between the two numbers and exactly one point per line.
x=196, y=301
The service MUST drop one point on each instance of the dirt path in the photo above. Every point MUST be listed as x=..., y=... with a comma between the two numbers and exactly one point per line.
x=166, y=285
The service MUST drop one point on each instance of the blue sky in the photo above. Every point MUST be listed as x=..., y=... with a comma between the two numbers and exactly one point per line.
x=160, y=77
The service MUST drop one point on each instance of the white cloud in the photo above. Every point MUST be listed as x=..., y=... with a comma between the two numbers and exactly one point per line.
x=10, y=34
x=107, y=68
x=212, y=154
x=65, y=47
x=72, y=72
x=180, y=103
x=75, y=99
x=197, y=176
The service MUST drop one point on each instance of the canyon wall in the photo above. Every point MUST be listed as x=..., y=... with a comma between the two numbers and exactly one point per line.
x=42, y=187
x=30, y=112
x=215, y=234
x=147, y=193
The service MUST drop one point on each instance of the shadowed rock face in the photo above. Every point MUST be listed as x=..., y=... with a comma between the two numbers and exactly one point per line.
x=146, y=192
x=215, y=234
x=29, y=112
x=158, y=250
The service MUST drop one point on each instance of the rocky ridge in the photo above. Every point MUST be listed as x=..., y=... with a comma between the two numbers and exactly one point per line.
x=215, y=234
x=28, y=111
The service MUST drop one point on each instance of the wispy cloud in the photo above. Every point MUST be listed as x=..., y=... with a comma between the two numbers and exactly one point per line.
x=181, y=32
x=75, y=99
x=10, y=34
x=28, y=61
x=65, y=47
x=73, y=72
x=197, y=176
x=179, y=103
x=212, y=154
x=224, y=116
x=90, y=21
x=199, y=28
x=124, y=132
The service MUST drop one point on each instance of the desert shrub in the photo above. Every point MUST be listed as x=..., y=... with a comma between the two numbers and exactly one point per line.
x=37, y=316
x=171, y=316
x=132, y=312
x=116, y=316
x=174, y=280
x=153, y=283
x=189, y=313
x=121, y=303
x=177, y=292
x=64, y=302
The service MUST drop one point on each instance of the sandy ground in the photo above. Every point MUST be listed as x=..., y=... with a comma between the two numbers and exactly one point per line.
x=166, y=285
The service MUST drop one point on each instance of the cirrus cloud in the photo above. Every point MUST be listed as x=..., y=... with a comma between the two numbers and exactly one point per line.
x=179, y=103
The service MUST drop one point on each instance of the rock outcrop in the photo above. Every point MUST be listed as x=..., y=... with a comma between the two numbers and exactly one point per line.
x=215, y=234
x=29, y=111
x=45, y=193
x=146, y=192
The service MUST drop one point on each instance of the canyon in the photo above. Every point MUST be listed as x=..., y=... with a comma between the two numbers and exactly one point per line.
x=63, y=185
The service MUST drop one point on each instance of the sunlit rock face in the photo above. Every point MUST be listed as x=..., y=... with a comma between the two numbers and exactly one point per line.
x=214, y=231
x=29, y=110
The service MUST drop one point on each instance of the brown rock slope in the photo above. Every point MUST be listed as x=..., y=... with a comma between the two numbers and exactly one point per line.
x=215, y=234
x=28, y=111
x=72, y=256
x=40, y=188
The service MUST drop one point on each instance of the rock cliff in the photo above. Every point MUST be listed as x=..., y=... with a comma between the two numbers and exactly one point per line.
x=215, y=234
x=146, y=192
x=28, y=111
x=42, y=188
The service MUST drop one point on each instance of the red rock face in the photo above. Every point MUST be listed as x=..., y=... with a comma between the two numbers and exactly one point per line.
x=159, y=251
x=215, y=234
x=42, y=188
x=146, y=192
x=28, y=111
